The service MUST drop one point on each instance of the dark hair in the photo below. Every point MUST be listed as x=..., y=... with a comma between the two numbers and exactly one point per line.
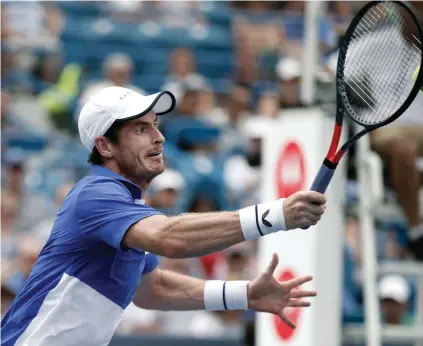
x=112, y=134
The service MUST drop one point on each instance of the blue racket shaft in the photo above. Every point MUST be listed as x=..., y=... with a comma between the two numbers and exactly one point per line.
x=322, y=180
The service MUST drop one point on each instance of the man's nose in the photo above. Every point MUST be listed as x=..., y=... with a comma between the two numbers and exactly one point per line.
x=158, y=138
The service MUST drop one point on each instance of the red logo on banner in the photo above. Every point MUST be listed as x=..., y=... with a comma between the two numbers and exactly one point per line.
x=290, y=170
x=284, y=331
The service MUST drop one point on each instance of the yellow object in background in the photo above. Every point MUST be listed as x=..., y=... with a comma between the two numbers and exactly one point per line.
x=415, y=76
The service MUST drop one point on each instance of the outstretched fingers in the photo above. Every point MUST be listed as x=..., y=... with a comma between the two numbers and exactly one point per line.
x=273, y=264
x=302, y=294
x=286, y=319
x=294, y=283
x=298, y=303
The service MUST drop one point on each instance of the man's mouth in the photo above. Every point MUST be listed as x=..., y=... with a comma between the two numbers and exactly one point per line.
x=155, y=153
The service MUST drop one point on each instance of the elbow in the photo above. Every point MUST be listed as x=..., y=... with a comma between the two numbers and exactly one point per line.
x=174, y=249
x=171, y=247
x=167, y=244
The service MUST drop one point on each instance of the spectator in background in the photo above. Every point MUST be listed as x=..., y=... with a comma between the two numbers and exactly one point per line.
x=182, y=14
x=31, y=24
x=9, y=217
x=183, y=71
x=238, y=109
x=57, y=86
x=236, y=263
x=46, y=70
x=208, y=107
x=400, y=144
x=242, y=171
x=127, y=11
x=289, y=73
x=117, y=71
x=268, y=104
x=6, y=121
x=294, y=24
x=394, y=295
x=165, y=191
x=263, y=35
x=340, y=16
x=169, y=14
x=188, y=102
x=13, y=78
x=33, y=207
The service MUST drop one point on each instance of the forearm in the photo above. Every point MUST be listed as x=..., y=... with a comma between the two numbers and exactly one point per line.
x=173, y=291
x=200, y=234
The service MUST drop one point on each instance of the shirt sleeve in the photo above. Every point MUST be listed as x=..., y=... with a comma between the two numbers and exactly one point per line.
x=151, y=263
x=105, y=210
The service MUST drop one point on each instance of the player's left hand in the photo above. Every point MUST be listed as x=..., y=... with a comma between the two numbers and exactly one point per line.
x=266, y=294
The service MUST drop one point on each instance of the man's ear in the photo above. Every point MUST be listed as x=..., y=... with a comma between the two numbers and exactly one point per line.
x=104, y=147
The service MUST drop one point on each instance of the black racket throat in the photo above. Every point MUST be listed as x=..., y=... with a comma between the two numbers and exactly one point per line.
x=329, y=164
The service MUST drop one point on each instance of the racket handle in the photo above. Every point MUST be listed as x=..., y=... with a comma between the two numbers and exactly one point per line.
x=322, y=180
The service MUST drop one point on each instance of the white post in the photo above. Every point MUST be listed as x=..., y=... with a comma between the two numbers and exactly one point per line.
x=292, y=155
x=310, y=51
x=368, y=248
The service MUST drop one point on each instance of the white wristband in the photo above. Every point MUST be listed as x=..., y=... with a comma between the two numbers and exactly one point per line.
x=225, y=295
x=261, y=219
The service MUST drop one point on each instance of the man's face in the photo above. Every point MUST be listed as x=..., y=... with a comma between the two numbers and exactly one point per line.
x=393, y=311
x=138, y=153
x=182, y=62
x=240, y=99
x=121, y=75
x=188, y=105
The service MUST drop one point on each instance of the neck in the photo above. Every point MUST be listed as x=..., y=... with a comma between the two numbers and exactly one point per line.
x=141, y=183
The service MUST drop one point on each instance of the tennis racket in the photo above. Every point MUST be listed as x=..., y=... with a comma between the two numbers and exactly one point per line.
x=376, y=74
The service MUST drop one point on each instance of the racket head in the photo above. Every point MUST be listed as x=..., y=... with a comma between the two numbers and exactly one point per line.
x=378, y=59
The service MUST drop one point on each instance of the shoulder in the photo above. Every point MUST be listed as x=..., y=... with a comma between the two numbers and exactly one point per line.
x=100, y=189
x=101, y=185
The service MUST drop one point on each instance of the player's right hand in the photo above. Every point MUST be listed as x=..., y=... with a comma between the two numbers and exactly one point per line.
x=303, y=209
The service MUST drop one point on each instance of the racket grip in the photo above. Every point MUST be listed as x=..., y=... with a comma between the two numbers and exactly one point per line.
x=323, y=178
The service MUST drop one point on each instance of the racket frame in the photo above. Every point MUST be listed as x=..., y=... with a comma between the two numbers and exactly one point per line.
x=333, y=157
x=327, y=169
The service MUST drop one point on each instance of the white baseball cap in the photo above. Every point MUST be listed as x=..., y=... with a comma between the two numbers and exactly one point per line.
x=115, y=104
x=169, y=179
x=394, y=287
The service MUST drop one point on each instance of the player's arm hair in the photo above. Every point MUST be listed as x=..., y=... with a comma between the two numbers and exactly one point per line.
x=186, y=235
x=166, y=290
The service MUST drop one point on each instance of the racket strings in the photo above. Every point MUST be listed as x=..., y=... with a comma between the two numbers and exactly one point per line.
x=407, y=55
x=387, y=40
x=397, y=86
x=382, y=55
x=364, y=28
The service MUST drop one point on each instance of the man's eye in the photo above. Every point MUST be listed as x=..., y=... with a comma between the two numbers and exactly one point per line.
x=142, y=129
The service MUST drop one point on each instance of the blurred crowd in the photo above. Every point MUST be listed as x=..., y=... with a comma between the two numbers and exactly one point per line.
x=242, y=70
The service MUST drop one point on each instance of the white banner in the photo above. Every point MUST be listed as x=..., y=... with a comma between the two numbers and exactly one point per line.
x=292, y=156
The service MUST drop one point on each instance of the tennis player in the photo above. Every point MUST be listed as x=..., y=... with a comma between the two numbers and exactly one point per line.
x=102, y=252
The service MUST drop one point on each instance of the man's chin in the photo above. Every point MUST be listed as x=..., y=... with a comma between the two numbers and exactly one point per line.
x=157, y=171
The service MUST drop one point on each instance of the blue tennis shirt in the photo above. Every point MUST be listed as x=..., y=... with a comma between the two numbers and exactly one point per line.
x=84, y=277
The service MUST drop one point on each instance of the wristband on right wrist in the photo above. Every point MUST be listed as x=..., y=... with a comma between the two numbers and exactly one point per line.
x=261, y=219
x=226, y=295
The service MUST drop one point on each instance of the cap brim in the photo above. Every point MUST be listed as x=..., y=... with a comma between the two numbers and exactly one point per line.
x=161, y=103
